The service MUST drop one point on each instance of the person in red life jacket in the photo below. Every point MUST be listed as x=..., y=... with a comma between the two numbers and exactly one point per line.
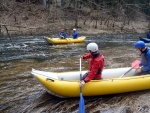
x=96, y=64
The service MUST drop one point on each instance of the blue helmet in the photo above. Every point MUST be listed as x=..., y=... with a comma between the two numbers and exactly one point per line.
x=139, y=44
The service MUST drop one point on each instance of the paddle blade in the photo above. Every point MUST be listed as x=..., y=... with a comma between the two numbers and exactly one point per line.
x=81, y=104
x=135, y=64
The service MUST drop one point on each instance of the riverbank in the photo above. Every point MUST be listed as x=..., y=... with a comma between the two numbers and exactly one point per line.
x=27, y=19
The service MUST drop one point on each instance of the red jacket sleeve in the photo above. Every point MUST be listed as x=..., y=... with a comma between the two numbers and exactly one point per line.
x=87, y=56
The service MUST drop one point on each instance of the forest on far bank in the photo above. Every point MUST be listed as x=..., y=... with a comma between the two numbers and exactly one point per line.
x=21, y=17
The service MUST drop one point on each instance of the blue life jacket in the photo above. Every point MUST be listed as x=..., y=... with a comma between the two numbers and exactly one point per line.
x=145, y=60
x=64, y=34
x=75, y=35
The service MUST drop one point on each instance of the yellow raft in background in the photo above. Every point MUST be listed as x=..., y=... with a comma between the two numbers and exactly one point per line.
x=66, y=84
x=65, y=41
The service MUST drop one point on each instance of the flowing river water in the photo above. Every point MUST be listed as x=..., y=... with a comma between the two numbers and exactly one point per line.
x=21, y=93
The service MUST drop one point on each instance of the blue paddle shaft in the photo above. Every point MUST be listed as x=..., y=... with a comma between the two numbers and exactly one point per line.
x=81, y=103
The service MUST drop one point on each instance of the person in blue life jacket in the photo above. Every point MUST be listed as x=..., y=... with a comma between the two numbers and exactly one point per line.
x=75, y=34
x=145, y=57
x=148, y=35
x=63, y=34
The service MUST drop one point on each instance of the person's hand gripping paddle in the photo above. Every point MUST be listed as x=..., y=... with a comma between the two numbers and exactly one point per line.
x=134, y=65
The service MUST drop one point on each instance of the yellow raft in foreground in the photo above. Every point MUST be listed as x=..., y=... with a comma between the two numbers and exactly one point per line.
x=66, y=84
x=65, y=41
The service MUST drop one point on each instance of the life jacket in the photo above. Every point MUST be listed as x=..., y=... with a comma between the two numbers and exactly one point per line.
x=145, y=60
x=143, y=55
x=96, y=66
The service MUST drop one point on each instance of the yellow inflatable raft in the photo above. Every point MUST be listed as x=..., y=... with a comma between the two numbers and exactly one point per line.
x=66, y=84
x=65, y=41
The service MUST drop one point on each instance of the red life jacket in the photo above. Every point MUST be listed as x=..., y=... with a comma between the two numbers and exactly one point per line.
x=96, y=66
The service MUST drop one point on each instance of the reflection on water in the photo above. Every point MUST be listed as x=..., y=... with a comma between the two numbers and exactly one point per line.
x=21, y=93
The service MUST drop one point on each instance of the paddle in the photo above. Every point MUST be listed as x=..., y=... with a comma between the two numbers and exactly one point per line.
x=81, y=103
x=135, y=65
x=62, y=37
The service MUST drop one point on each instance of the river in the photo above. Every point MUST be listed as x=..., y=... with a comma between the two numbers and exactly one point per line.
x=21, y=93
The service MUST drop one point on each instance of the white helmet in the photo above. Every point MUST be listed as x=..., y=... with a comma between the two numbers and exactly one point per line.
x=93, y=47
x=74, y=29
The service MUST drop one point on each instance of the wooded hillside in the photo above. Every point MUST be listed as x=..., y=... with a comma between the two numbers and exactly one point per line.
x=88, y=16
